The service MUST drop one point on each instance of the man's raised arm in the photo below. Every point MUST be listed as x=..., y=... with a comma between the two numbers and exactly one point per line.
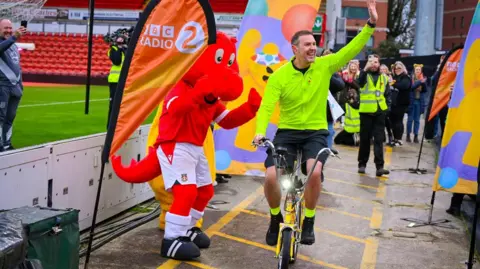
x=353, y=48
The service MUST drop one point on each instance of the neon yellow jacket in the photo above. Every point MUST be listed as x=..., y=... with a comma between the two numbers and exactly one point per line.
x=303, y=97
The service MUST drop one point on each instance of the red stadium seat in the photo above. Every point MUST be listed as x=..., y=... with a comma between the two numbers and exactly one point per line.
x=64, y=54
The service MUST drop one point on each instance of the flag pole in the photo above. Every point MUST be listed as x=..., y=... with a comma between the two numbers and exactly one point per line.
x=471, y=254
x=94, y=217
x=90, y=48
x=418, y=223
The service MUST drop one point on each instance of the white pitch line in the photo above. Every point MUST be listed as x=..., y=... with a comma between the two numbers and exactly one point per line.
x=64, y=103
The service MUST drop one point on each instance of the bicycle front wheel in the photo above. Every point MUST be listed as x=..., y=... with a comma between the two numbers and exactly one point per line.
x=284, y=258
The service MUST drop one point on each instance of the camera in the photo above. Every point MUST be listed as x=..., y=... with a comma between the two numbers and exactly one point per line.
x=124, y=33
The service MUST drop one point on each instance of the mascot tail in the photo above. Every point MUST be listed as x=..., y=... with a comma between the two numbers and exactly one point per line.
x=138, y=172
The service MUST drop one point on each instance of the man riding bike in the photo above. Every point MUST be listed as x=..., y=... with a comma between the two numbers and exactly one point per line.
x=301, y=88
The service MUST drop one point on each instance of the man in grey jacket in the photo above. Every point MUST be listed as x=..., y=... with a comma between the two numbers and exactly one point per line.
x=11, y=88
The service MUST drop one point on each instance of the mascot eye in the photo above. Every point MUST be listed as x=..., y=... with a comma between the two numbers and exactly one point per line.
x=232, y=59
x=219, y=56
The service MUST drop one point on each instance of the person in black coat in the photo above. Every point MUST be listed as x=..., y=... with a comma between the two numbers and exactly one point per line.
x=336, y=84
x=401, y=84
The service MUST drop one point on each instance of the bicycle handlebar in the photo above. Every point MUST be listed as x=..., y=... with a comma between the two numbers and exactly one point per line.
x=265, y=142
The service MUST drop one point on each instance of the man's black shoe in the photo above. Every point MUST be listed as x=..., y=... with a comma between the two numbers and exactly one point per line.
x=308, y=233
x=382, y=171
x=454, y=211
x=361, y=170
x=221, y=179
x=273, y=229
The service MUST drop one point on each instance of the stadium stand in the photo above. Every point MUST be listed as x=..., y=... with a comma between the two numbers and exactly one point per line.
x=107, y=4
x=222, y=6
x=64, y=54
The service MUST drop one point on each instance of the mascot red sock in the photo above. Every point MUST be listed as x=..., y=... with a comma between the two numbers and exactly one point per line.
x=187, y=112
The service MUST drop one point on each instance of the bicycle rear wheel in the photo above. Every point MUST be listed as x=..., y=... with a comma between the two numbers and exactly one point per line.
x=284, y=258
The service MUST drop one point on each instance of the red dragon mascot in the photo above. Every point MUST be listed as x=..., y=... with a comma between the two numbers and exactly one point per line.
x=187, y=112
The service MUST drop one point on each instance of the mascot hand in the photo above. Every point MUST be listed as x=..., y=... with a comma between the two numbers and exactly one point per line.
x=141, y=172
x=254, y=100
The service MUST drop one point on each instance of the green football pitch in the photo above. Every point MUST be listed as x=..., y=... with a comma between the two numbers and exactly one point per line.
x=51, y=113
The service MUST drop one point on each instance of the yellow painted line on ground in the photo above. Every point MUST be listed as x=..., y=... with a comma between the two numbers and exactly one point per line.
x=380, y=191
x=271, y=248
x=369, y=258
x=350, y=197
x=343, y=212
x=377, y=216
x=351, y=183
x=352, y=163
x=349, y=172
x=234, y=212
x=347, y=148
x=220, y=223
x=255, y=213
x=340, y=235
x=200, y=265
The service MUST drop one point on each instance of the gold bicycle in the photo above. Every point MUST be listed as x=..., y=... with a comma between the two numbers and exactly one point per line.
x=293, y=182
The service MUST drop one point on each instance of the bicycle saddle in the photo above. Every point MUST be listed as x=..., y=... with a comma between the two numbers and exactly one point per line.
x=281, y=150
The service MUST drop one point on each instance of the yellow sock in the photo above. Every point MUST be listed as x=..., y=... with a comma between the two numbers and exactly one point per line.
x=309, y=213
x=275, y=211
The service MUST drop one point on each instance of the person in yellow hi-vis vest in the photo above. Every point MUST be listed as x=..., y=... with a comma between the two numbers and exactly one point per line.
x=374, y=103
x=352, y=119
x=116, y=53
x=350, y=134
x=164, y=197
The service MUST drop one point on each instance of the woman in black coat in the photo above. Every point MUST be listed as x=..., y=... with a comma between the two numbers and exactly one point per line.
x=401, y=84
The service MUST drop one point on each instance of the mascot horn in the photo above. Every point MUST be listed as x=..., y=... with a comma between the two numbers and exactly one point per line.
x=187, y=112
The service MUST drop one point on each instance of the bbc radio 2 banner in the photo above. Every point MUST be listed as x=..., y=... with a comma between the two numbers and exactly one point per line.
x=164, y=46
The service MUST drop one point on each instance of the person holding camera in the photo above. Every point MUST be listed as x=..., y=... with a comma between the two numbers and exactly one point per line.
x=11, y=88
x=374, y=103
x=116, y=53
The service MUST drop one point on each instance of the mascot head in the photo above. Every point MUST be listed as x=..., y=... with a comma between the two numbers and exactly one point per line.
x=219, y=61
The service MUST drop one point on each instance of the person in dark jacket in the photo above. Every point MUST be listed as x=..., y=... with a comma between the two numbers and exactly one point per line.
x=417, y=103
x=336, y=84
x=401, y=83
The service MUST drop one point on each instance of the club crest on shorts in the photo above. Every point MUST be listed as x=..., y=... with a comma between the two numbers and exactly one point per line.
x=184, y=177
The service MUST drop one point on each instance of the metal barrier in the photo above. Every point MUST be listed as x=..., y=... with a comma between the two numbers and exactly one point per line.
x=65, y=174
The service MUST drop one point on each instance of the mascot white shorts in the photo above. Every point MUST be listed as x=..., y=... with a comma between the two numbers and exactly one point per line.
x=183, y=163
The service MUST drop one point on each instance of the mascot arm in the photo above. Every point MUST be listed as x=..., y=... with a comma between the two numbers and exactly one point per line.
x=240, y=115
x=183, y=99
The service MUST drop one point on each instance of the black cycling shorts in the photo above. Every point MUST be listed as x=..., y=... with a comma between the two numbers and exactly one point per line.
x=309, y=141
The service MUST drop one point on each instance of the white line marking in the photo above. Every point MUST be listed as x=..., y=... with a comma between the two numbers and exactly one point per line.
x=64, y=103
